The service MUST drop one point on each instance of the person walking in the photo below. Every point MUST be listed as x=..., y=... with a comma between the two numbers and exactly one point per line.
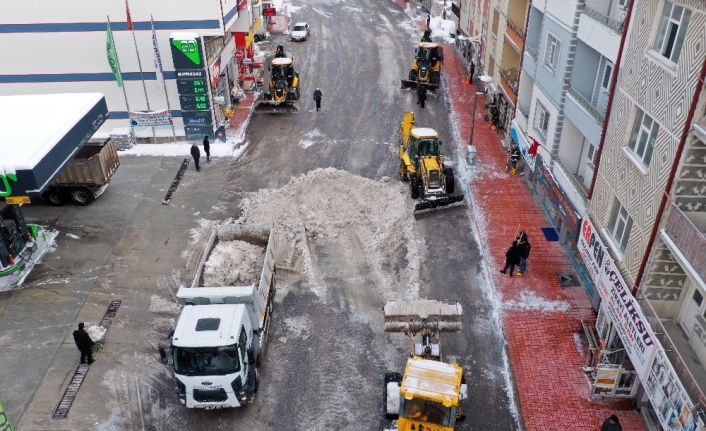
x=421, y=94
x=84, y=343
x=524, y=251
x=428, y=19
x=511, y=258
x=611, y=424
x=207, y=148
x=317, y=98
x=196, y=154
x=471, y=71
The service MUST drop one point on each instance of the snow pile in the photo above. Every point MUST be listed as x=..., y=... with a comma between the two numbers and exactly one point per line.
x=393, y=398
x=96, y=332
x=334, y=205
x=182, y=149
x=161, y=305
x=233, y=263
x=530, y=301
x=442, y=28
x=73, y=236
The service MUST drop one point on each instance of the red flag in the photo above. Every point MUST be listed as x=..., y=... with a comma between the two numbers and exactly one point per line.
x=534, y=146
x=129, y=18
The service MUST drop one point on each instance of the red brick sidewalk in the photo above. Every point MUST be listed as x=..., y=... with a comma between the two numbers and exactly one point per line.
x=239, y=121
x=543, y=343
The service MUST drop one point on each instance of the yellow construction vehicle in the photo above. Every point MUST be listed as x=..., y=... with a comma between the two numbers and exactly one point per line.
x=426, y=67
x=284, y=86
x=429, y=395
x=421, y=163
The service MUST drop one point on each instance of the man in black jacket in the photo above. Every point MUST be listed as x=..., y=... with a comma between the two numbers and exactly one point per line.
x=196, y=154
x=421, y=94
x=207, y=148
x=512, y=258
x=317, y=98
x=84, y=343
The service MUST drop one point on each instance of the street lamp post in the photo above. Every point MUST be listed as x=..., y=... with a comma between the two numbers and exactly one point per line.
x=471, y=149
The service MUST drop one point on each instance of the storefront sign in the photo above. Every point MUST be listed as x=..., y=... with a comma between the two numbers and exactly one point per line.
x=5, y=424
x=269, y=11
x=521, y=141
x=561, y=206
x=194, y=102
x=214, y=71
x=662, y=385
x=150, y=119
x=18, y=200
x=196, y=118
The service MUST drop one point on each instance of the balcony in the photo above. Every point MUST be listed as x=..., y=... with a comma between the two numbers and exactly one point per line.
x=688, y=238
x=532, y=52
x=612, y=23
x=586, y=104
x=509, y=82
x=515, y=35
x=690, y=191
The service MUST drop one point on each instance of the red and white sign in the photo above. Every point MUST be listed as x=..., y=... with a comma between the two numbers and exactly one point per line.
x=269, y=11
x=279, y=24
x=239, y=55
x=214, y=71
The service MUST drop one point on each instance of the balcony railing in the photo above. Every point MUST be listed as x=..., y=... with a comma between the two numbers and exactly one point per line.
x=687, y=379
x=587, y=105
x=511, y=77
x=612, y=23
x=688, y=238
x=516, y=35
x=532, y=52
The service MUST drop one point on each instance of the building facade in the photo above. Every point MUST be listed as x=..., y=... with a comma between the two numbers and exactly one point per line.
x=41, y=40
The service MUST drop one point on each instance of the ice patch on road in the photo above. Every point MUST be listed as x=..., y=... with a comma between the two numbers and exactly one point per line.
x=530, y=301
x=310, y=138
x=73, y=236
x=96, y=332
x=161, y=305
x=298, y=327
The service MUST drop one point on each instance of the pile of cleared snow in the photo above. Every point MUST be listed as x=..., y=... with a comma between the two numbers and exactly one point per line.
x=326, y=204
x=442, y=28
x=180, y=149
x=96, y=332
x=530, y=301
x=233, y=263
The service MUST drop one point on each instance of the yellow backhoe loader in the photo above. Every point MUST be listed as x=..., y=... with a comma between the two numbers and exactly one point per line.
x=283, y=91
x=426, y=67
x=429, y=395
x=421, y=163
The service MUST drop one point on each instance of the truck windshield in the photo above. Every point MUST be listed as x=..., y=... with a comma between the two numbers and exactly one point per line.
x=428, y=411
x=202, y=361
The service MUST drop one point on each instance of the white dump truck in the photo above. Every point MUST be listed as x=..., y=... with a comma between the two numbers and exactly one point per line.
x=222, y=330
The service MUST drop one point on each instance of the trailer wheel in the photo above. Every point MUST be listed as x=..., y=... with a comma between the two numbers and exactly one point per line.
x=450, y=186
x=82, y=196
x=54, y=197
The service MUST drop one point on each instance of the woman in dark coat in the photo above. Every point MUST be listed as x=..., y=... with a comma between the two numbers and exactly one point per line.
x=512, y=258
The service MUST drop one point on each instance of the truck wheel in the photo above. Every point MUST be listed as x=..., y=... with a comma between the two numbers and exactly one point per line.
x=450, y=186
x=414, y=187
x=82, y=196
x=54, y=197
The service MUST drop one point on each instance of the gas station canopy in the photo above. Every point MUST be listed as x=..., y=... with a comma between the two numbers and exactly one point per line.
x=39, y=134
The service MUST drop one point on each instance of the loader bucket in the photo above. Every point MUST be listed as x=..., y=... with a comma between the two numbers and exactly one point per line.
x=415, y=315
x=406, y=83
x=266, y=106
x=438, y=202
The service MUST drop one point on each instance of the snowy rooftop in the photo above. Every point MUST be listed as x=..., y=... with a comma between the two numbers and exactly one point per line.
x=229, y=315
x=424, y=132
x=432, y=380
x=281, y=61
x=26, y=136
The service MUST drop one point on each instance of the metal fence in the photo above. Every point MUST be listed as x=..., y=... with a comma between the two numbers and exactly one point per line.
x=587, y=105
x=613, y=24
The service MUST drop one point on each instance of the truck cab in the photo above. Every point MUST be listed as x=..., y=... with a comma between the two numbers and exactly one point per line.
x=214, y=356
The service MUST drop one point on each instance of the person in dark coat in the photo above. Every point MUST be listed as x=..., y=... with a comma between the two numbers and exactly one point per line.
x=524, y=252
x=612, y=424
x=428, y=19
x=84, y=343
x=196, y=154
x=207, y=148
x=512, y=258
x=471, y=71
x=515, y=156
x=426, y=37
x=317, y=98
x=421, y=94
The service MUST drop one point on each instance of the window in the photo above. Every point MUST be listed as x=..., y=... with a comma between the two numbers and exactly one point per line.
x=623, y=4
x=643, y=136
x=541, y=119
x=607, y=72
x=551, y=55
x=671, y=30
x=619, y=225
x=591, y=154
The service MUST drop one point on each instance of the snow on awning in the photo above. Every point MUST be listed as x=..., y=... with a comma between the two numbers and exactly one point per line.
x=40, y=133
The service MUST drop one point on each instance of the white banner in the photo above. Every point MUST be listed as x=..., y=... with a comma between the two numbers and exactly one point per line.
x=150, y=119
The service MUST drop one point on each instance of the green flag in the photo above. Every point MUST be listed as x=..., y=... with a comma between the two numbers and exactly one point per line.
x=113, y=57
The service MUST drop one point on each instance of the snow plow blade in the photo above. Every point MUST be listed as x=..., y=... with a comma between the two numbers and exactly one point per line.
x=439, y=202
x=418, y=314
x=406, y=83
x=265, y=107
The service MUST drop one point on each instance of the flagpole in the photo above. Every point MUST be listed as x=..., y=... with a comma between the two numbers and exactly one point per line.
x=117, y=60
x=139, y=64
x=164, y=81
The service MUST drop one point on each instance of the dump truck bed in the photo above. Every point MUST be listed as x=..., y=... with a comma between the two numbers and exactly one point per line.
x=93, y=165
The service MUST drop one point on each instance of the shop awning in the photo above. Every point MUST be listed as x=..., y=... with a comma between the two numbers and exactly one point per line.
x=39, y=134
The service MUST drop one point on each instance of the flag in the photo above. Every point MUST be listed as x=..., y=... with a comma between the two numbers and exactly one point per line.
x=534, y=146
x=157, y=56
x=129, y=18
x=113, y=56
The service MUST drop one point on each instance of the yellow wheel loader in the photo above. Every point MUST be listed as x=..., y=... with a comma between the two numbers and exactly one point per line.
x=426, y=67
x=429, y=395
x=421, y=163
x=284, y=84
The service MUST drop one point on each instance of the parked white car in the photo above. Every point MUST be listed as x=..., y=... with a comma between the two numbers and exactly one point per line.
x=300, y=31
